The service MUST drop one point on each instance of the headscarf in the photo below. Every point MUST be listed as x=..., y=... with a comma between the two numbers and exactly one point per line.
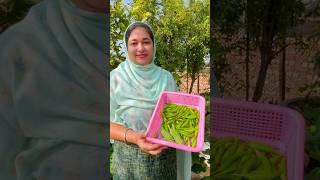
x=54, y=65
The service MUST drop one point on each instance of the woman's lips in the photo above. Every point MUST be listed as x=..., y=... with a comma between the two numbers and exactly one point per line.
x=141, y=56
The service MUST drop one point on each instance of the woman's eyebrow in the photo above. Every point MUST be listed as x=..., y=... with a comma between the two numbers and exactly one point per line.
x=132, y=40
x=144, y=39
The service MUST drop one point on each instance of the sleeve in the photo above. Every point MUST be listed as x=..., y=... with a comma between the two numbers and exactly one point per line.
x=114, y=107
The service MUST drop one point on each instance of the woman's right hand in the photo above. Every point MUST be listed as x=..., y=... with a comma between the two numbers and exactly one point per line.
x=147, y=147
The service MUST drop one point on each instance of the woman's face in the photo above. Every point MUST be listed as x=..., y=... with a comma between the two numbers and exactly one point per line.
x=140, y=46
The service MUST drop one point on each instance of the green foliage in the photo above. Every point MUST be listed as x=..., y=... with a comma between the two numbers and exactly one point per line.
x=170, y=32
x=309, y=107
x=207, y=178
x=145, y=11
x=313, y=175
x=197, y=38
x=182, y=33
x=228, y=16
x=110, y=159
x=119, y=21
x=312, y=117
x=197, y=163
x=263, y=17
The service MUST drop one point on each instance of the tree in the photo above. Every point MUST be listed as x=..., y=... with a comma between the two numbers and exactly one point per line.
x=147, y=11
x=171, y=32
x=226, y=31
x=313, y=87
x=268, y=32
x=119, y=21
x=166, y=18
x=264, y=29
x=182, y=33
x=197, y=38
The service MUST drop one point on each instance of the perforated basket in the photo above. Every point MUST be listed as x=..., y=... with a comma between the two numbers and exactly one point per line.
x=280, y=127
x=191, y=100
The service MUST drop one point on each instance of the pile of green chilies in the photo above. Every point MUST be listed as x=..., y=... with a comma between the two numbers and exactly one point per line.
x=180, y=124
x=246, y=160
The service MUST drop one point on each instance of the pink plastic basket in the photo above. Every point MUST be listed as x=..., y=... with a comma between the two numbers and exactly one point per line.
x=280, y=127
x=195, y=101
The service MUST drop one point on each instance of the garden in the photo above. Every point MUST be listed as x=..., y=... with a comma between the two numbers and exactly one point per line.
x=182, y=33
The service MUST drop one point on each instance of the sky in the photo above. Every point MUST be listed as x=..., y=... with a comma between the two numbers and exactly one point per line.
x=128, y=1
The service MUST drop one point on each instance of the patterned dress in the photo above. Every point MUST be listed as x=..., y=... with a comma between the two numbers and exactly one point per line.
x=130, y=163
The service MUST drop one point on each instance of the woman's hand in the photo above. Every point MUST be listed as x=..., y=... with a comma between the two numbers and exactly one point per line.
x=147, y=147
x=121, y=133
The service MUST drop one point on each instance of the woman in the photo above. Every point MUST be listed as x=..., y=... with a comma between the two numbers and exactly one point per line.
x=135, y=86
x=53, y=93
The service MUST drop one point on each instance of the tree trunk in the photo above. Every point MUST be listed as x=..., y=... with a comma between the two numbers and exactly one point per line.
x=265, y=61
x=247, y=65
x=266, y=52
x=187, y=75
x=198, y=83
x=187, y=81
x=247, y=60
x=193, y=79
x=282, y=73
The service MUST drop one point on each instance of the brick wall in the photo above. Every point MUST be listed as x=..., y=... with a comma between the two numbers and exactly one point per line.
x=204, y=85
x=299, y=71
